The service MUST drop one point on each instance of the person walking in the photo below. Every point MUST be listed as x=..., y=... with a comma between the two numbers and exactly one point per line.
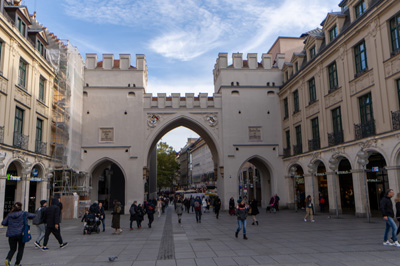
x=159, y=206
x=309, y=209
x=132, y=211
x=204, y=204
x=254, y=211
x=116, y=217
x=102, y=216
x=15, y=222
x=241, y=213
x=386, y=208
x=197, y=209
x=179, y=210
x=52, y=219
x=38, y=221
x=150, y=212
x=139, y=216
x=231, y=206
x=217, y=206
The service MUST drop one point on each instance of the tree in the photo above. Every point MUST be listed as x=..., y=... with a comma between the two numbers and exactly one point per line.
x=167, y=166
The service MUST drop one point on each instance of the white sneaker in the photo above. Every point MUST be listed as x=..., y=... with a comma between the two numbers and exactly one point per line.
x=305, y=220
x=313, y=221
x=396, y=244
x=388, y=243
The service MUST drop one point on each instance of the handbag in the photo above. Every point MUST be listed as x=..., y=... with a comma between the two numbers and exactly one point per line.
x=26, y=235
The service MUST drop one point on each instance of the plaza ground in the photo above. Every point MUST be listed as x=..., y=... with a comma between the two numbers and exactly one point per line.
x=280, y=239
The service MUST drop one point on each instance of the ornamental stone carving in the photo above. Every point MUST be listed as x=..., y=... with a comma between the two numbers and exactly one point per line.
x=392, y=66
x=3, y=85
x=333, y=98
x=312, y=109
x=371, y=143
x=296, y=117
x=23, y=97
x=362, y=82
x=211, y=119
x=153, y=120
x=374, y=27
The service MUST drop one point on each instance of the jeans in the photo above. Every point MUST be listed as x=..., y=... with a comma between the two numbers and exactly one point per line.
x=13, y=241
x=390, y=224
x=198, y=215
x=41, y=229
x=104, y=224
x=241, y=223
x=55, y=232
x=130, y=224
x=151, y=218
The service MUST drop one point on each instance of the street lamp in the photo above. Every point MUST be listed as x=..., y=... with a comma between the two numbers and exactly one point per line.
x=333, y=164
x=26, y=167
x=311, y=170
x=293, y=171
x=363, y=161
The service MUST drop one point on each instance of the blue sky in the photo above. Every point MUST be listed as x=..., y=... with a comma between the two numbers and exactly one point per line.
x=180, y=38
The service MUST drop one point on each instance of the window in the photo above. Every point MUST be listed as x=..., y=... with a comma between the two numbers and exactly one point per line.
x=398, y=91
x=21, y=26
x=22, y=73
x=18, y=126
x=40, y=47
x=41, y=88
x=360, y=57
x=333, y=79
x=39, y=129
x=296, y=101
x=1, y=50
x=287, y=133
x=312, y=91
x=286, y=108
x=360, y=8
x=298, y=136
x=315, y=128
x=332, y=33
x=287, y=75
x=296, y=66
x=313, y=52
x=337, y=120
x=366, y=113
x=395, y=32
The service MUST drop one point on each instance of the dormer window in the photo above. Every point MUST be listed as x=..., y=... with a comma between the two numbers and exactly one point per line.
x=296, y=66
x=287, y=75
x=39, y=47
x=360, y=8
x=313, y=52
x=21, y=26
x=333, y=33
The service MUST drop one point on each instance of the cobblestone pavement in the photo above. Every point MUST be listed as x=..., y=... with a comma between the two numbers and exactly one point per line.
x=280, y=239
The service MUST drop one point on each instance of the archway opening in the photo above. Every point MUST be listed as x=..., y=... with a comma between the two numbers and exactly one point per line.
x=323, y=198
x=108, y=182
x=346, y=187
x=255, y=181
x=377, y=179
x=35, y=188
x=13, y=186
x=299, y=186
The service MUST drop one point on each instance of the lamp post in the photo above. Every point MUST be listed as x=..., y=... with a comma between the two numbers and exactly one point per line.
x=363, y=161
x=333, y=164
x=293, y=171
x=26, y=167
x=311, y=170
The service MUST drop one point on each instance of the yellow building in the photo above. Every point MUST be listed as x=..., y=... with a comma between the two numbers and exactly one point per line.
x=340, y=107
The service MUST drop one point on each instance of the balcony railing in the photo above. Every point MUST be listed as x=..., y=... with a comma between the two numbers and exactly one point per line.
x=335, y=138
x=40, y=147
x=297, y=149
x=20, y=141
x=314, y=144
x=286, y=152
x=396, y=120
x=1, y=134
x=364, y=130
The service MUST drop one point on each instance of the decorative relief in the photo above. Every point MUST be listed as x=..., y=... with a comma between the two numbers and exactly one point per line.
x=319, y=70
x=106, y=134
x=3, y=85
x=362, y=82
x=255, y=133
x=152, y=120
x=296, y=117
x=337, y=151
x=392, y=66
x=333, y=98
x=316, y=155
x=14, y=47
x=212, y=119
x=371, y=143
x=312, y=109
x=342, y=52
x=374, y=27
x=41, y=108
x=23, y=97
x=35, y=67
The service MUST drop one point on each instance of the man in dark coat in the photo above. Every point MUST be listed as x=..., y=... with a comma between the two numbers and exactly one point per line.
x=217, y=206
x=52, y=219
x=386, y=208
x=150, y=210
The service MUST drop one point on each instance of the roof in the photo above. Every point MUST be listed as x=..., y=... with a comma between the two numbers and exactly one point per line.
x=313, y=32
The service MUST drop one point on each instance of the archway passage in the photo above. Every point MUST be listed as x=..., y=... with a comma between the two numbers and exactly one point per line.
x=12, y=185
x=377, y=179
x=255, y=181
x=108, y=184
x=346, y=187
x=299, y=187
x=323, y=198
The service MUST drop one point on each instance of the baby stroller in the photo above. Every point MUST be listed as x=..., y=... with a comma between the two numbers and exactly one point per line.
x=92, y=224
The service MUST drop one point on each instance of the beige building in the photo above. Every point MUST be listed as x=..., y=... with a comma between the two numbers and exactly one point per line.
x=340, y=108
x=203, y=172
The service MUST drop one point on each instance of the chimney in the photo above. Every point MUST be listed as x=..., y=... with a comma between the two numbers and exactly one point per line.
x=124, y=61
x=108, y=61
x=91, y=61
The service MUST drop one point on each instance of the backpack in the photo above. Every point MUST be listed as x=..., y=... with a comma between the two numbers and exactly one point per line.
x=322, y=201
x=197, y=205
x=150, y=208
x=132, y=210
x=39, y=216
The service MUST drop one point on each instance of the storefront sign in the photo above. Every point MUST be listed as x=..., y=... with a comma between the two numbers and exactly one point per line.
x=375, y=169
x=374, y=181
x=343, y=172
x=35, y=172
x=35, y=179
x=320, y=174
x=13, y=178
x=300, y=180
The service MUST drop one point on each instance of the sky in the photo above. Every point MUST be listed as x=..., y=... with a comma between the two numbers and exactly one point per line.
x=181, y=39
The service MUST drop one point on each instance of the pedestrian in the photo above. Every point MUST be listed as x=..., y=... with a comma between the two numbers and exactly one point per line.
x=241, y=213
x=231, y=206
x=254, y=211
x=60, y=205
x=197, y=209
x=397, y=200
x=386, y=208
x=322, y=202
x=38, y=221
x=15, y=222
x=309, y=209
x=102, y=216
x=217, y=206
x=204, y=204
x=52, y=220
x=139, y=216
x=116, y=217
x=150, y=210
x=132, y=212
x=179, y=210
x=163, y=204
x=159, y=206
x=192, y=203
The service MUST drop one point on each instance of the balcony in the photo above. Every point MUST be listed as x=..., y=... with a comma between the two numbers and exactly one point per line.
x=335, y=138
x=40, y=147
x=20, y=141
x=395, y=120
x=297, y=149
x=1, y=134
x=286, y=152
x=314, y=144
x=364, y=130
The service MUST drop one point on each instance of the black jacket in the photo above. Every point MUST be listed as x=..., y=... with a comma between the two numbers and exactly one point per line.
x=397, y=209
x=386, y=207
x=52, y=214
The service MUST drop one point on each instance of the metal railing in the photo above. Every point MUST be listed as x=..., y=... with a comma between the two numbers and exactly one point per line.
x=286, y=152
x=364, y=130
x=335, y=138
x=297, y=149
x=20, y=141
x=396, y=120
x=40, y=147
x=314, y=144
